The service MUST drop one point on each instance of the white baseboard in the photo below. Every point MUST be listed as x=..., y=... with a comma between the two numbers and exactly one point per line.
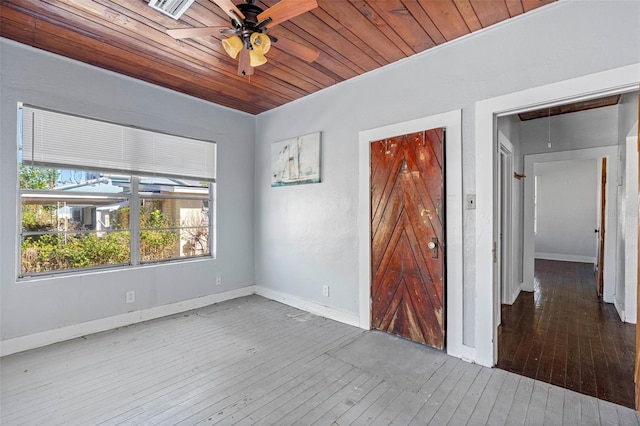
x=619, y=309
x=44, y=338
x=516, y=293
x=565, y=257
x=464, y=352
x=312, y=307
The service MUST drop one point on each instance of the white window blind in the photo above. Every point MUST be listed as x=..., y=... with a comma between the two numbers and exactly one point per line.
x=52, y=139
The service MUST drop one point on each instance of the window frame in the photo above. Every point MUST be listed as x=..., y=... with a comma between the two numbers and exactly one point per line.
x=134, y=198
x=135, y=229
x=143, y=196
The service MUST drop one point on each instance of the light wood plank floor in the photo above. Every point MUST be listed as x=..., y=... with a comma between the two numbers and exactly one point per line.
x=255, y=361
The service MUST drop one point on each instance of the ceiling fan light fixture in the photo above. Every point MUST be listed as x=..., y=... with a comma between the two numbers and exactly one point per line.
x=261, y=43
x=256, y=59
x=233, y=45
x=247, y=39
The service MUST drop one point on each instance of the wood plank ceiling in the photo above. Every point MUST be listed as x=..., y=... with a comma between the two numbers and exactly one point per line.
x=353, y=37
x=570, y=108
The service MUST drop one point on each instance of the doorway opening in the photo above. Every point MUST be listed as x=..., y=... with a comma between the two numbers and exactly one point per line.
x=613, y=81
x=553, y=327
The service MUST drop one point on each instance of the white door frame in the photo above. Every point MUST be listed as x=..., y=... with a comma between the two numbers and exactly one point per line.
x=630, y=311
x=452, y=122
x=617, y=80
x=611, y=216
x=506, y=252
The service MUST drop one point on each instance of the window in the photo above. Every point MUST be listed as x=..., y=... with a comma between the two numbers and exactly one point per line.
x=72, y=219
x=173, y=212
x=86, y=210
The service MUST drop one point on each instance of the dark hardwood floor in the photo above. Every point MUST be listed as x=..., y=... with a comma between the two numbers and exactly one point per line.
x=563, y=335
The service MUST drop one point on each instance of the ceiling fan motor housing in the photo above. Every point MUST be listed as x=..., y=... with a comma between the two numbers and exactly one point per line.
x=250, y=24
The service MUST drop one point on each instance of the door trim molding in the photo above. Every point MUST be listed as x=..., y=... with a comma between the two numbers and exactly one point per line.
x=507, y=253
x=452, y=122
x=631, y=230
x=616, y=80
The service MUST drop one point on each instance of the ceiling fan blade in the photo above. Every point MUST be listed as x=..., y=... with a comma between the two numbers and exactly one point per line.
x=300, y=50
x=244, y=63
x=286, y=9
x=179, y=33
x=229, y=8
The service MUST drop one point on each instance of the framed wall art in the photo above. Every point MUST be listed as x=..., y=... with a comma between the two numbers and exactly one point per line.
x=296, y=161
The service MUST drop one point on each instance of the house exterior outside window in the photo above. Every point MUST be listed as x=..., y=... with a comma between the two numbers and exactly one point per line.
x=80, y=218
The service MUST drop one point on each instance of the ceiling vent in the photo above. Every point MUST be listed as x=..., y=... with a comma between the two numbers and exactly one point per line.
x=173, y=8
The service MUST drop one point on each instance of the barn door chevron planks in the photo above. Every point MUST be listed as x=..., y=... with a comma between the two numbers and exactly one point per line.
x=407, y=229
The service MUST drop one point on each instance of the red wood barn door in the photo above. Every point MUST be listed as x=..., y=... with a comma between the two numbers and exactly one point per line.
x=407, y=255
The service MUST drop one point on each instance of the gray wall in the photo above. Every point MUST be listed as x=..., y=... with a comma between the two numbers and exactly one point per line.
x=307, y=236
x=46, y=80
x=567, y=210
x=585, y=129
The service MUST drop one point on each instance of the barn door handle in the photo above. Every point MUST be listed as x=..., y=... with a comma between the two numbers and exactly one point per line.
x=433, y=246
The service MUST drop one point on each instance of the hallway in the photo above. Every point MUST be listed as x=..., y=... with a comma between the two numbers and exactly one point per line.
x=561, y=334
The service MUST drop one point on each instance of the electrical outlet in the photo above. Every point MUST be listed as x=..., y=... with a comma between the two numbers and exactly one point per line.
x=131, y=297
x=325, y=290
x=218, y=280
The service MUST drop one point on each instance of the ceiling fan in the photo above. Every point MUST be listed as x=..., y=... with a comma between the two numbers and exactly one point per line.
x=248, y=39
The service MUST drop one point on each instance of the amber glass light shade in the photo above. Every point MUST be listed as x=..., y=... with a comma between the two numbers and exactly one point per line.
x=233, y=45
x=256, y=59
x=261, y=43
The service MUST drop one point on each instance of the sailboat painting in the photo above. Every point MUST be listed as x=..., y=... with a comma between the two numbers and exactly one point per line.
x=296, y=161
